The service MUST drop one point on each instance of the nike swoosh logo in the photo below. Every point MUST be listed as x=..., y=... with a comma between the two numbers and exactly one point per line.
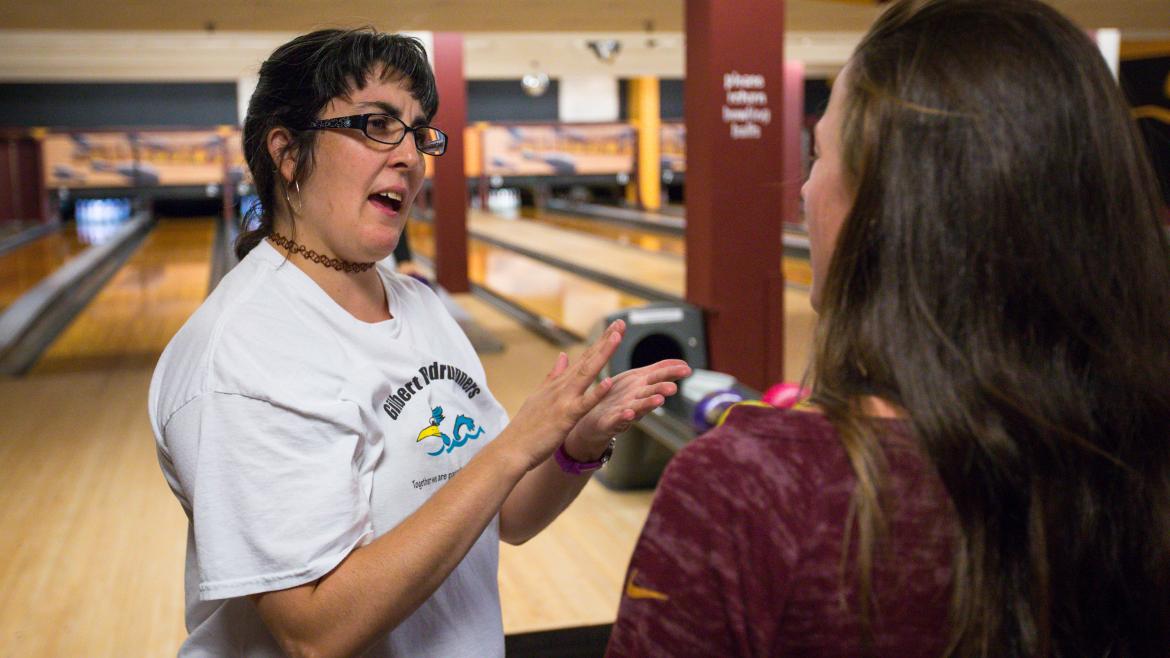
x=635, y=592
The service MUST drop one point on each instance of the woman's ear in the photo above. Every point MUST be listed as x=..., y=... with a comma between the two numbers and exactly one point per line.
x=279, y=143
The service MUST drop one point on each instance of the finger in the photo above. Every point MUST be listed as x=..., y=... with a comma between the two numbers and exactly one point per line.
x=644, y=406
x=669, y=370
x=669, y=363
x=625, y=374
x=618, y=421
x=665, y=389
x=665, y=363
x=561, y=364
x=640, y=378
x=590, y=365
x=617, y=326
x=622, y=422
x=663, y=371
x=594, y=395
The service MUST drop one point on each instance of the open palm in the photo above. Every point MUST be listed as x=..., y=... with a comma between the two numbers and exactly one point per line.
x=632, y=395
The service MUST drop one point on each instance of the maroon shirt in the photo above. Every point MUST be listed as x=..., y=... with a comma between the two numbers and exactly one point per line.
x=741, y=554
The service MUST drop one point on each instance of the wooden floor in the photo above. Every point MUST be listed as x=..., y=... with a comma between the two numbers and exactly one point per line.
x=92, y=541
x=92, y=538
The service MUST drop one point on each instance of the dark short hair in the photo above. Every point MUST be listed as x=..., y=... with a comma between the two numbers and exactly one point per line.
x=298, y=80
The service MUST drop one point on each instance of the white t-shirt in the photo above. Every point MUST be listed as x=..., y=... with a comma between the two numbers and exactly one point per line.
x=292, y=433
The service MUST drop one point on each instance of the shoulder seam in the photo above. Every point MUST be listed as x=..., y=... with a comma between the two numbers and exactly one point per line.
x=221, y=323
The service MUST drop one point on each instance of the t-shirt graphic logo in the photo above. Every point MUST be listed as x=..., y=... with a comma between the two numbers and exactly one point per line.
x=465, y=430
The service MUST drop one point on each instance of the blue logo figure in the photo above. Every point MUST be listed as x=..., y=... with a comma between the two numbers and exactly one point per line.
x=465, y=430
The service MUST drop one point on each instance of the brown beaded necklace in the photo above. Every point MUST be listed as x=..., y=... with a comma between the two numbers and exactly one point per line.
x=320, y=259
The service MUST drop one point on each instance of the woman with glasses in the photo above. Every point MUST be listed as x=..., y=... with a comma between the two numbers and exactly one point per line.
x=323, y=421
x=986, y=469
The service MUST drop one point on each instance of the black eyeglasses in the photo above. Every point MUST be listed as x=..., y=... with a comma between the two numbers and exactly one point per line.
x=388, y=129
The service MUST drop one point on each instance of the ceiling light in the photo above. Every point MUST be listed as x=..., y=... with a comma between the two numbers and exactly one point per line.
x=605, y=49
x=534, y=84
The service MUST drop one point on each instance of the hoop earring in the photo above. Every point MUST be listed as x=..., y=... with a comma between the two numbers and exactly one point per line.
x=297, y=208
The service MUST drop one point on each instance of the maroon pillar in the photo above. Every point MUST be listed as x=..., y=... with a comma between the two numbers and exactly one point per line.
x=22, y=192
x=9, y=180
x=736, y=175
x=450, y=183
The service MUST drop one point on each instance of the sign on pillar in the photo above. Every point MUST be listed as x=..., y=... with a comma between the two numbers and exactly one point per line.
x=745, y=107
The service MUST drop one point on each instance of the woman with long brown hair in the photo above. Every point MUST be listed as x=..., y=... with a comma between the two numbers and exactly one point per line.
x=986, y=470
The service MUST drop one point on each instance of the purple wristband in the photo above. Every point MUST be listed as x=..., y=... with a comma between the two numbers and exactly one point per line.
x=574, y=467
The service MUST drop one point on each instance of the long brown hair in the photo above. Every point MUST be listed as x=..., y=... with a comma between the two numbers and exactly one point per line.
x=1003, y=277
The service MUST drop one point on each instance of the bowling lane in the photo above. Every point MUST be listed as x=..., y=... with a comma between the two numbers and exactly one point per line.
x=138, y=311
x=569, y=301
x=13, y=227
x=796, y=269
x=648, y=274
x=27, y=265
x=575, y=303
x=622, y=234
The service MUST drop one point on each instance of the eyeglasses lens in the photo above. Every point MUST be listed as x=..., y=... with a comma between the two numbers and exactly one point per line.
x=388, y=130
x=430, y=141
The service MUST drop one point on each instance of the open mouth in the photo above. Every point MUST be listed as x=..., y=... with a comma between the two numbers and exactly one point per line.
x=391, y=201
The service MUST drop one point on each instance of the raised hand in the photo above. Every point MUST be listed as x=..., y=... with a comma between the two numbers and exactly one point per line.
x=565, y=397
x=632, y=395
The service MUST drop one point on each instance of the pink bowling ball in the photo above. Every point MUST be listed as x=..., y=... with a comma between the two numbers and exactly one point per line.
x=784, y=395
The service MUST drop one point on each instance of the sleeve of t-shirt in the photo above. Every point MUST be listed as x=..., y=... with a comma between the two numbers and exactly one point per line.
x=279, y=496
x=714, y=560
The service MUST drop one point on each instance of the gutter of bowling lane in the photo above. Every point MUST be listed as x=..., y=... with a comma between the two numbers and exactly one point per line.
x=795, y=239
x=608, y=280
x=31, y=323
x=223, y=250
x=643, y=221
x=28, y=235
